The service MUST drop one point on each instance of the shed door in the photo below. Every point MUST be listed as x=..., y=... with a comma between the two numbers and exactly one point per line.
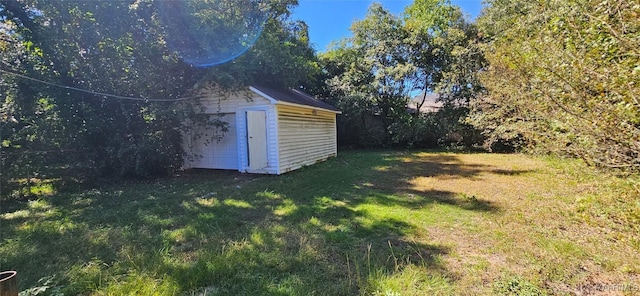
x=257, y=139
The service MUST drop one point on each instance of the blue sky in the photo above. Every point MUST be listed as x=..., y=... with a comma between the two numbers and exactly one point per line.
x=329, y=20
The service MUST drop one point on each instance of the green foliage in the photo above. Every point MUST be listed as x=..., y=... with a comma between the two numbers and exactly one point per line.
x=389, y=59
x=105, y=47
x=431, y=17
x=47, y=287
x=282, y=56
x=445, y=129
x=358, y=125
x=372, y=66
x=517, y=286
x=417, y=131
x=118, y=48
x=564, y=78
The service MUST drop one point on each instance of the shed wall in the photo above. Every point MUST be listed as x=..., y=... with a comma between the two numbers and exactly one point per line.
x=215, y=103
x=224, y=154
x=305, y=136
x=296, y=135
x=209, y=152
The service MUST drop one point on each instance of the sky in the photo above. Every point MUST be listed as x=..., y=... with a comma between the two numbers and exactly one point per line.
x=329, y=20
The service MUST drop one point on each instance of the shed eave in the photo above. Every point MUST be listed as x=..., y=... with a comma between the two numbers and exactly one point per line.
x=268, y=97
x=278, y=102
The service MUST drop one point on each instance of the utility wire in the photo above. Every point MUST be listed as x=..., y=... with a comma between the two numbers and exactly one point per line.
x=106, y=95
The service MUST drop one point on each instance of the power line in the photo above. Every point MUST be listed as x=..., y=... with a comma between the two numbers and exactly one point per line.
x=106, y=95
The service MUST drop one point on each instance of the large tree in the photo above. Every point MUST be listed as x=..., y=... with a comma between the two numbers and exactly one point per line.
x=378, y=67
x=93, y=84
x=107, y=48
x=445, y=50
x=389, y=59
x=564, y=77
x=371, y=72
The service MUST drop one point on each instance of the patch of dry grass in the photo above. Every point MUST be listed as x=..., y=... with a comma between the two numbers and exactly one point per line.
x=538, y=226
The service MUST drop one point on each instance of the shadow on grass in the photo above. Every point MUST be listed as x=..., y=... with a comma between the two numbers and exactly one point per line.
x=326, y=229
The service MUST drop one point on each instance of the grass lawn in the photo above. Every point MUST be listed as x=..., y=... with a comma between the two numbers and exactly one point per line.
x=368, y=223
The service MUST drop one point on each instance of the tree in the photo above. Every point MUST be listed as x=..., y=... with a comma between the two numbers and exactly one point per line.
x=281, y=56
x=371, y=70
x=389, y=59
x=108, y=48
x=427, y=20
x=129, y=122
x=563, y=78
x=446, y=53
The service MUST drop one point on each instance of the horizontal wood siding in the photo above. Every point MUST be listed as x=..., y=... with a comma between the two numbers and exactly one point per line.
x=206, y=151
x=305, y=136
x=214, y=102
x=272, y=140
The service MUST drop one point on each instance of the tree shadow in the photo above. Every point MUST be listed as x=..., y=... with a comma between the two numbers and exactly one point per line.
x=284, y=234
x=396, y=174
x=442, y=164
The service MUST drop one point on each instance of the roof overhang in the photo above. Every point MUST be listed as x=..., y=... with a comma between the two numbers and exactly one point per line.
x=278, y=102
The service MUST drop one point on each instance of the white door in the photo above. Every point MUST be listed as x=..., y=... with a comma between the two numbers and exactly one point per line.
x=257, y=139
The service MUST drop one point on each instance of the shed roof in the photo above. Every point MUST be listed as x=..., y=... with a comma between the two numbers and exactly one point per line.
x=293, y=96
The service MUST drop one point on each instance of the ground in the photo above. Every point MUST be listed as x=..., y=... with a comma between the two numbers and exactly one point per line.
x=366, y=222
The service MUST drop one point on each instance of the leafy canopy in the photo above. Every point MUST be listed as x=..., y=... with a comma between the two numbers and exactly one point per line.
x=564, y=78
x=117, y=48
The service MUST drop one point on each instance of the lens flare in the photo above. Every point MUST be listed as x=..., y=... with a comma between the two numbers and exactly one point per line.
x=206, y=33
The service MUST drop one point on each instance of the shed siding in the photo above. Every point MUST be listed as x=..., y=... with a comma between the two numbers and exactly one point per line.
x=214, y=103
x=304, y=138
x=297, y=136
x=205, y=151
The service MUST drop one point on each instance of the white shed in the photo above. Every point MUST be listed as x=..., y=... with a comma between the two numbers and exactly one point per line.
x=270, y=131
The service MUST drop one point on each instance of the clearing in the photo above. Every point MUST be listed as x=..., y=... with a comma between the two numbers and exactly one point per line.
x=366, y=222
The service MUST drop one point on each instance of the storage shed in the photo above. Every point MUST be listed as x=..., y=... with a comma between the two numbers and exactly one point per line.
x=270, y=131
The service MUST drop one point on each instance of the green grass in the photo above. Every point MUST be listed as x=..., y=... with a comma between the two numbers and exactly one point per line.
x=364, y=223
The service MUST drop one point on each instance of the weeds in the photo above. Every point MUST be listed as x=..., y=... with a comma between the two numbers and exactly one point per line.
x=517, y=286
